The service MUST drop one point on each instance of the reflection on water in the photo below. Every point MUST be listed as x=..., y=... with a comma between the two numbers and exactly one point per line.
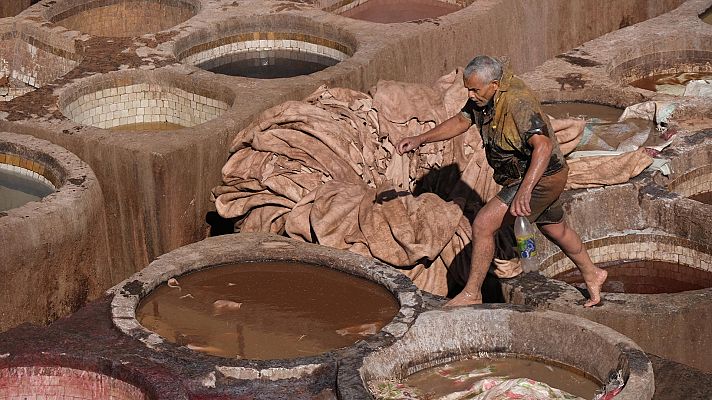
x=582, y=110
x=269, y=64
x=267, y=310
x=17, y=189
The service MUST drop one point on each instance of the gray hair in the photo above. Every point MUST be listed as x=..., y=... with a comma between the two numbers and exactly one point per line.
x=487, y=68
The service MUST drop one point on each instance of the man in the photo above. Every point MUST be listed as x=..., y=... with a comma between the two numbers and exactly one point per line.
x=521, y=147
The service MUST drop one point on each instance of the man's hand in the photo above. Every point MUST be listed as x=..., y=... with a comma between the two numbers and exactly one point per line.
x=407, y=144
x=520, y=204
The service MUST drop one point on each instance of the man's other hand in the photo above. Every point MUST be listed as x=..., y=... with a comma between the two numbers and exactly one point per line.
x=520, y=204
x=407, y=144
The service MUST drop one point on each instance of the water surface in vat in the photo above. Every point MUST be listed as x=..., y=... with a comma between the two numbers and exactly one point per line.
x=707, y=16
x=705, y=197
x=671, y=83
x=582, y=110
x=269, y=64
x=440, y=381
x=147, y=127
x=268, y=310
x=646, y=277
x=394, y=11
x=17, y=189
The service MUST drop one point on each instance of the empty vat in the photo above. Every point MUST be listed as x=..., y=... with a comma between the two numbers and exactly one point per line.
x=143, y=102
x=121, y=18
x=28, y=62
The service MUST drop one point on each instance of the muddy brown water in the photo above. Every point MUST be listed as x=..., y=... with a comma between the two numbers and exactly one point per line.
x=705, y=197
x=394, y=11
x=440, y=381
x=17, y=189
x=671, y=83
x=646, y=277
x=270, y=310
x=269, y=64
x=582, y=110
x=147, y=127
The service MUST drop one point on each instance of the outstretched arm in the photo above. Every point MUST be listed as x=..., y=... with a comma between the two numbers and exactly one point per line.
x=452, y=127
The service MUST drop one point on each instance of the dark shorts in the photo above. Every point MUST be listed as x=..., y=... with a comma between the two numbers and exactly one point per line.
x=545, y=202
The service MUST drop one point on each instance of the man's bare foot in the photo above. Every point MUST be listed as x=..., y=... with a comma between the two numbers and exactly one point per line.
x=465, y=298
x=594, y=283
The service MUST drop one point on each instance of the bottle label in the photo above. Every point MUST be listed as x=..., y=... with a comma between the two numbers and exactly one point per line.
x=526, y=246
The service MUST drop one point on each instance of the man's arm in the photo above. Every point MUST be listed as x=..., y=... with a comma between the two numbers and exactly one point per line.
x=541, y=154
x=452, y=127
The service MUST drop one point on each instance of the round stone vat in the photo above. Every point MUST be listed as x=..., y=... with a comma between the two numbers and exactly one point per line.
x=58, y=242
x=695, y=184
x=666, y=72
x=121, y=18
x=647, y=296
x=267, y=310
x=64, y=383
x=268, y=48
x=22, y=180
x=143, y=101
x=28, y=63
x=395, y=11
x=439, y=337
x=309, y=375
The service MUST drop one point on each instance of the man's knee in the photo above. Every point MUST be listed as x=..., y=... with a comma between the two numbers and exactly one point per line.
x=554, y=232
x=480, y=229
x=486, y=225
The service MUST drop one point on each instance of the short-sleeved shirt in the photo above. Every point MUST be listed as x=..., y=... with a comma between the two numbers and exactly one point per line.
x=506, y=124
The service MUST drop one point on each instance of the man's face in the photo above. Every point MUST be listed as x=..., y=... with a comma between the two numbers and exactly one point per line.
x=479, y=91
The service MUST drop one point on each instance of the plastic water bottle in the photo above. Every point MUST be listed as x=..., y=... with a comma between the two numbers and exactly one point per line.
x=525, y=233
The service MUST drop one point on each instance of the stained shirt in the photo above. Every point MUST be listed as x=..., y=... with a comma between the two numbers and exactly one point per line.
x=506, y=124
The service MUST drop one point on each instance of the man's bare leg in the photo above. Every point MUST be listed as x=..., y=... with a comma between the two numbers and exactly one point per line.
x=570, y=243
x=486, y=223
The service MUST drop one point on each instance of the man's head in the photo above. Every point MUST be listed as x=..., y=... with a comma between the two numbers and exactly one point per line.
x=481, y=78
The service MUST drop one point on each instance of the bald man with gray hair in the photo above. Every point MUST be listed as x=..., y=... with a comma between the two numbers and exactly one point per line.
x=521, y=147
